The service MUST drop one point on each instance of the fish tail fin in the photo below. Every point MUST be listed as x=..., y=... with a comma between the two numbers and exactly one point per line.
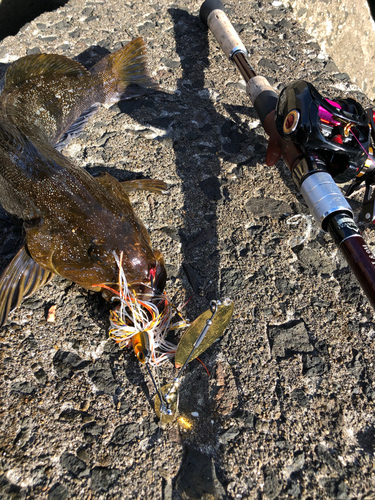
x=20, y=280
x=124, y=73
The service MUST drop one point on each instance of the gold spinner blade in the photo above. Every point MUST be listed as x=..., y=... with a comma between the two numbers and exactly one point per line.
x=219, y=315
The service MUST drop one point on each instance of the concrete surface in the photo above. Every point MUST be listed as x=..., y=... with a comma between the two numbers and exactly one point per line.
x=288, y=409
x=346, y=31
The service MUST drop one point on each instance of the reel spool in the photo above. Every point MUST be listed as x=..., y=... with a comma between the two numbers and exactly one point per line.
x=336, y=131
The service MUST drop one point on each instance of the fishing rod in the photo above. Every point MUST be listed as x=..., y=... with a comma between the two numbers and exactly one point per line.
x=321, y=142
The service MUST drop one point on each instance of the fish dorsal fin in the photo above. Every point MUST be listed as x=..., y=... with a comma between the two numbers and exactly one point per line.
x=36, y=65
x=153, y=185
x=20, y=280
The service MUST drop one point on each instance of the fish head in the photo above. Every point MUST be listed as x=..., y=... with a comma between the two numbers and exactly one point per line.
x=143, y=267
x=92, y=262
x=83, y=242
x=155, y=283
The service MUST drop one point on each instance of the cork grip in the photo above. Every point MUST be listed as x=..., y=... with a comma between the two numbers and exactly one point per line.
x=212, y=14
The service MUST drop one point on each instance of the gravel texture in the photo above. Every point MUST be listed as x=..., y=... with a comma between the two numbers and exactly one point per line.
x=288, y=408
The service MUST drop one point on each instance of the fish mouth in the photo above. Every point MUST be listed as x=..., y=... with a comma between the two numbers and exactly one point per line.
x=142, y=291
x=152, y=290
x=148, y=290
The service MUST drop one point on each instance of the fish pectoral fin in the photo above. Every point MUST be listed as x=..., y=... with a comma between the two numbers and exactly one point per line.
x=35, y=65
x=76, y=127
x=20, y=280
x=121, y=189
x=153, y=185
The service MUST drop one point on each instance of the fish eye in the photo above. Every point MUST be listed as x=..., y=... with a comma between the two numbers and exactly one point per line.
x=98, y=254
x=29, y=224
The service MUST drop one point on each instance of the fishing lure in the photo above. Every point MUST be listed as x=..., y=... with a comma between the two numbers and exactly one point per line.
x=143, y=324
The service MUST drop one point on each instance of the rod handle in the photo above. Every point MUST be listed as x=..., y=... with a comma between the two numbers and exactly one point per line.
x=207, y=7
x=212, y=15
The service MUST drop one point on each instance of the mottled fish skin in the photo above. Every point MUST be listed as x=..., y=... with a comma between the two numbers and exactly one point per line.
x=50, y=92
x=73, y=222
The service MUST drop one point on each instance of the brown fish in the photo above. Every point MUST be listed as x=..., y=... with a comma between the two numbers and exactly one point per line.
x=73, y=222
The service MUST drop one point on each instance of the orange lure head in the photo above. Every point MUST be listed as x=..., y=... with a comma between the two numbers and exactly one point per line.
x=141, y=345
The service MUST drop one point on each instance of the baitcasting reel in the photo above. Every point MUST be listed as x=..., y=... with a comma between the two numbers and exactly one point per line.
x=338, y=132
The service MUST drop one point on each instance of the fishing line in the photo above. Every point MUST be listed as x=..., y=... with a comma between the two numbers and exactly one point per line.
x=367, y=154
x=162, y=403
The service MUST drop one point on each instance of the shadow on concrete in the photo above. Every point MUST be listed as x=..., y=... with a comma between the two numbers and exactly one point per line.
x=16, y=13
x=371, y=5
x=201, y=138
